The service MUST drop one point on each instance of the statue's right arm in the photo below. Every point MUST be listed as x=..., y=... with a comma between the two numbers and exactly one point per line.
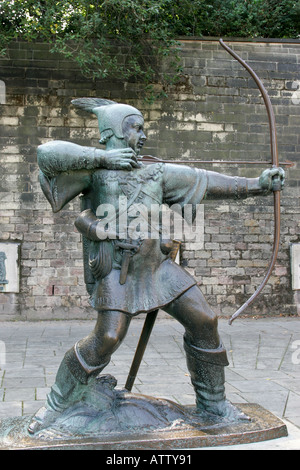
x=66, y=168
x=61, y=189
x=58, y=156
x=65, y=171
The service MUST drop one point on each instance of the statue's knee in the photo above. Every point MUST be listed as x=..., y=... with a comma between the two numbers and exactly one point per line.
x=109, y=342
x=97, y=349
x=207, y=320
x=109, y=332
x=212, y=319
x=204, y=332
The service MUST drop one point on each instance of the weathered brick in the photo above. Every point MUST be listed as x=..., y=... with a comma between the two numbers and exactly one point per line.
x=217, y=113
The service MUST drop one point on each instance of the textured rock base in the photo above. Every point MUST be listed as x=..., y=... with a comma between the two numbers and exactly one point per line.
x=109, y=419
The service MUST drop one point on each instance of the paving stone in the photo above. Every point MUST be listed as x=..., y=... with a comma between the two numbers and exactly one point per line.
x=9, y=409
x=293, y=406
x=13, y=394
x=258, y=372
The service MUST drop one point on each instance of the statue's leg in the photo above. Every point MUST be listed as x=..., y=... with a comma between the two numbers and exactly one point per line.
x=206, y=356
x=80, y=365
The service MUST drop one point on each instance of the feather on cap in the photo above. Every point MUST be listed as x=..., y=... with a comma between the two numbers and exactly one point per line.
x=89, y=104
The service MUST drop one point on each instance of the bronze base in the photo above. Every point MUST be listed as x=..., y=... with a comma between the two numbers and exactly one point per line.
x=206, y=433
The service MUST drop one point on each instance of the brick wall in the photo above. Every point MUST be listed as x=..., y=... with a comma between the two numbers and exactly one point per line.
x=215, y=113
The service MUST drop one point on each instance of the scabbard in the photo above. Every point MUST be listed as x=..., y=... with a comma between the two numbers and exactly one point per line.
x=143, y=341
x=124, y=267
x=146, y=332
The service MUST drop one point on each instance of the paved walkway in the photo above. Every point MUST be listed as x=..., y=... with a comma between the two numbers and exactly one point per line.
x=264, y=368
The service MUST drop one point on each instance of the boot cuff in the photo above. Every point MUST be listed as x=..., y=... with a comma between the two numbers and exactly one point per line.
x=79, y=368
x=212, y=356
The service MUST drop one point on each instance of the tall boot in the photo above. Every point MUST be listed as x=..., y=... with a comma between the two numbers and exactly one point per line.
x=72, y=377
x=206, y=367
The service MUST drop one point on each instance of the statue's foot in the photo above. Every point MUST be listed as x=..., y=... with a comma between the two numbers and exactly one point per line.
x=42, y=419
x=226, y=410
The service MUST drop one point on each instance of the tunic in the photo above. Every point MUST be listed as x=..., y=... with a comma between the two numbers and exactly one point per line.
x=153, y=279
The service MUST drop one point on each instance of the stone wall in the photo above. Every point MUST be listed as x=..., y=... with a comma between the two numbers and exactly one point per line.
x=215, y=113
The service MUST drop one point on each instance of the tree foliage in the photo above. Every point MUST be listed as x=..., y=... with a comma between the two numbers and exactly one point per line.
x=236, y=18
x=110, y=38
x=127, y=39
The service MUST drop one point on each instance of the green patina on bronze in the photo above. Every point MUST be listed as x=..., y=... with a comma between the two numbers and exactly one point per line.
x=126, y=276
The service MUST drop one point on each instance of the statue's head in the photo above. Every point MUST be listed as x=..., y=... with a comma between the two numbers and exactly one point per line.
x=115, y=119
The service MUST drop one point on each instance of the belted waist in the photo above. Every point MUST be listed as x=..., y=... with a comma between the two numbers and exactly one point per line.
x=127, y=245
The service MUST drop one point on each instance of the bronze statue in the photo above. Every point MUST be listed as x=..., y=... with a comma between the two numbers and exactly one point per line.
x=130, y=273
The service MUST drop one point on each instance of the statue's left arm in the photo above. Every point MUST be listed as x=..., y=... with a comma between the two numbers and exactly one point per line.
x=185, y=185
x=221, y=186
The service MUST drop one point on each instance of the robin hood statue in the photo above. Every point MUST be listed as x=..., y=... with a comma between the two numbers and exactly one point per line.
x=130, y=273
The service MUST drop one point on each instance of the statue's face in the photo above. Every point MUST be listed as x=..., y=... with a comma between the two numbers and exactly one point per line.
x=133, y=132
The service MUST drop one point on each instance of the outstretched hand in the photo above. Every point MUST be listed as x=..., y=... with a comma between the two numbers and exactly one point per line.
x=121, y=159
x=272, y=179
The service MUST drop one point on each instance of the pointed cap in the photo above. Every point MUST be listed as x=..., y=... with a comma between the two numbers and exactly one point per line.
x=109, y=113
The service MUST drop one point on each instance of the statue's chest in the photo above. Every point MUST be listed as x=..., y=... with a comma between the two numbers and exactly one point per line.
x=142, y=186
